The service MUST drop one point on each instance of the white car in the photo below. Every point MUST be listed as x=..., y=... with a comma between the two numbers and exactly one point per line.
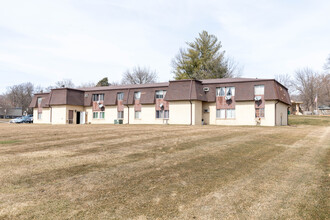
x=16, y=120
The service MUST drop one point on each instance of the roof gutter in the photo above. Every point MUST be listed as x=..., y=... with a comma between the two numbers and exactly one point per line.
x=191, y=116
x=127, y=106
x=51, y=109
x=275, y=111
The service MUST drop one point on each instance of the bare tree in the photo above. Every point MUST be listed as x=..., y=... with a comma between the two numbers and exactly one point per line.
x=65, y=83
x=139, y=76
x=285, y=80
x=21, y=95
x=5, y=104
x=87, y=85
x=309, y=85
x=115, y=83
x=234, y=69
x=326, y=66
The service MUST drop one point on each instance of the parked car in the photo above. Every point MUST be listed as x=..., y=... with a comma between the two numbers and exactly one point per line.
x=24, y=119
x=16, y=120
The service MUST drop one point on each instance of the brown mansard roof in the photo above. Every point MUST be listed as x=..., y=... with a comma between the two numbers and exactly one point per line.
x=178, y=90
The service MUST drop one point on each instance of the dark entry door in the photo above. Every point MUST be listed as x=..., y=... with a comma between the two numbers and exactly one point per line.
x=70, y=116
x=78, y=118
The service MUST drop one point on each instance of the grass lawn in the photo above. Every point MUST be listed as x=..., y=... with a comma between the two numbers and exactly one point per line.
x=165, y=172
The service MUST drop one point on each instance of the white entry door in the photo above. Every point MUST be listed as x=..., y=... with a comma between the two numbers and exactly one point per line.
x=82, y=117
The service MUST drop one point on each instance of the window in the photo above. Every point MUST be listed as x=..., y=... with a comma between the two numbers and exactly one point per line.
x=167, y=114
x=160, y=94
x=120, y=114
x=137, y=95
x=162, y=114
x=137, y=114
x=222, y=91
x=259, y=90
x=260, y=112
x=39, y=115
x=95, y=115
x=120, y=96
x=102, y=115
x=226, y=113
x=221, y=113
x=230, y=113
x=230, y=91
x=98, y=97
x=39, y=100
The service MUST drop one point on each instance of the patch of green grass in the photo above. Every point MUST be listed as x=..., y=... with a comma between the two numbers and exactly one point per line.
x=10, y=142
x=309, y=120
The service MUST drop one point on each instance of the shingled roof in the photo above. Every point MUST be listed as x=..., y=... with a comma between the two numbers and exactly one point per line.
x=178, y=90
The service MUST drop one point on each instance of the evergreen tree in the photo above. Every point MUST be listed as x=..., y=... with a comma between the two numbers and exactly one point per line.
x=203, y=59
x=103, y=82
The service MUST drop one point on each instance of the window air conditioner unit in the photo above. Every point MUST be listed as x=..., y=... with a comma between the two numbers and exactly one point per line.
x=257, y=98
x=206, y=89
x=228, y=97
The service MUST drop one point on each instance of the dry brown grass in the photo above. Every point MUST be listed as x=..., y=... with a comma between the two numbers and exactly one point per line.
x=164, y=172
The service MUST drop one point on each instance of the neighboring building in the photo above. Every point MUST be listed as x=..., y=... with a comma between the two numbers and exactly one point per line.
x=10, y=112
x=296, y=108
x=236, y=101
x=324, y=110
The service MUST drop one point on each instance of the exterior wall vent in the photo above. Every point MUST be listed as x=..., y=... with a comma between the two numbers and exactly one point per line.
x=206, y=89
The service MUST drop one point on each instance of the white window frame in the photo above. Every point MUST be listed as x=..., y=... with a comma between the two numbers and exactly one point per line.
x=223, y=91
x=137, y=95
x=120, y=96
x=137, y=115
x=39, y=115
x=163, y=114
x=120, y=115
x=221, y=114
x=259, y=89
x=259, y=113
x=39, y=100
x=160, y=94
x=230, y=113
x=102, y=115
x=99, y=97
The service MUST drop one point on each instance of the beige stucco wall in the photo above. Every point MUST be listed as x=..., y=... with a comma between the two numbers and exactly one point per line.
x=197, y=112
x=60, y=113
x=180, y=112
x=281, y=114
x=245, y=114
x=148, y=115
x=110, y=114
x=45, y=118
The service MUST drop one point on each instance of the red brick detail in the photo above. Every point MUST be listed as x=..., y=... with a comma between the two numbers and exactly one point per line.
x=96, y=107
x=165, y=104
x=222, y=103
x=137, y=105
x=261, y=103
x=120, y=105
x=39, y=108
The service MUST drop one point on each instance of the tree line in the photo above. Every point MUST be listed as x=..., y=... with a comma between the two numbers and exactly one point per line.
x=309, y=86
x=201, y=59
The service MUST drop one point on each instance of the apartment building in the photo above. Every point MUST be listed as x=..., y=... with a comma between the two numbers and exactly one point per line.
x=229, y=101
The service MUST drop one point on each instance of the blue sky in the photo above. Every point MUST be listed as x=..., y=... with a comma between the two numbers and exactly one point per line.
x=46, y=41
